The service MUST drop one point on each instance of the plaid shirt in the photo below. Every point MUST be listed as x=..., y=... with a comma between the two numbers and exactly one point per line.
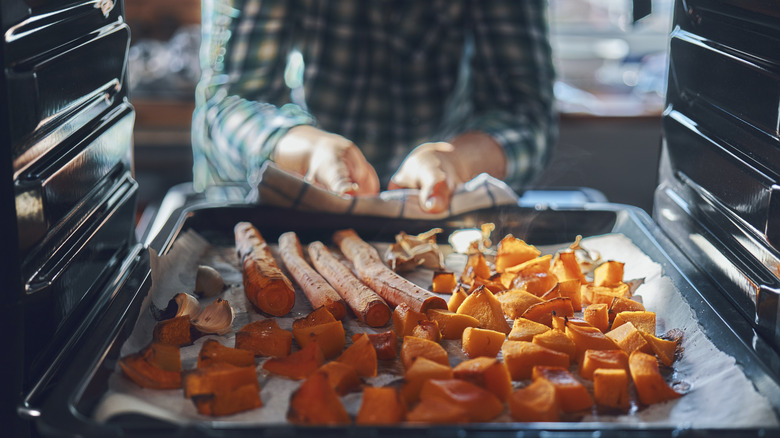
x=386, y=74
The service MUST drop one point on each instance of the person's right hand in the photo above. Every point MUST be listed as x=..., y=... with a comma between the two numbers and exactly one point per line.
x=326, y=159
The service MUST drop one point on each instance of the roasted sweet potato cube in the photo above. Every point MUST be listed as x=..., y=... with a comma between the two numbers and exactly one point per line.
x=219, y=377
x=520, y=357
x=385, y=344
x=484, y=306
x=154, y=367
x=381, y=406
x=427, y=330
x=176, y=331
x=315, y=402
x=444, y=282
x=488, y=373
x=476, y=267
x=451, y=325
x=560, y=322
x=213, y=351
x=480, y=404
x=264, y=338
x=228, y=401
x=664, y=349
x=437, y=411
x=537, y=278
x=516, y=301
x=330, y=337
x=512, y=251
x=422, y=369
x=361, y=355
x=456, y=299
x=558, y=341
x=525, y=330
x=413, y=347
x=482, y=342
x=610, y=388
x=597, y=315
x=609, y=273
x=492, y=284
x=342, y=377
x=650, y=384
x=566, y=267
x=644, y=321
x=629, y=339
x=602, y=359
x=571, y=289
x=543, y=312
x=587, y=337
x=297, y=365
x=571, y=393
x=534, y=403
x=405, y=319
x=592, y=294
x=619, y=304
x=318, y=316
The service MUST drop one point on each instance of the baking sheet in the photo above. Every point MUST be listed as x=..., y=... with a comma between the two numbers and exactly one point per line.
x=718, y=394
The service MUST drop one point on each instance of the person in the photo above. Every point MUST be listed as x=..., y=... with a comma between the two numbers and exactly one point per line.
x=357, y=95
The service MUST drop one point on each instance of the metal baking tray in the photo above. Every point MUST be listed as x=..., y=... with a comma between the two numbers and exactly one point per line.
x=66, y=408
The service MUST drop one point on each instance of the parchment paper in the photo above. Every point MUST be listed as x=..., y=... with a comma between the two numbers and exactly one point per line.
x=717, y=393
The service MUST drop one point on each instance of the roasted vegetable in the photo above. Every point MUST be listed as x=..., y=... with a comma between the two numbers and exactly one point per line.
x=158, y=366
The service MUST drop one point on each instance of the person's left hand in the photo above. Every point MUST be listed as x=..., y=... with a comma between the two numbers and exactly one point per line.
x=436, y=169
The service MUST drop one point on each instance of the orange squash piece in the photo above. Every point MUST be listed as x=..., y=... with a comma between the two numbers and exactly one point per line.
x=620, y=304
x=219, y=377
x=592, y=294
x=484, y=306
x=597, y=315
x=610, y=388
x=427, y=330
x=543, y=312
x=512, y=251
x=476, y=267
x=318, y=316
x=385, y=344
x=516, y=301
x=537, y=280
x=444, y=282
x=264, y=338
x=566, y=267
x=297, y=365
x=315, y=402
x=380, y=406
x=342, y=377
x=482, y=342
x=571, y=393
x=330, y=337
x=609, y=273
x=650, y=384
x=602, y=359
x=571, y=289
x=227, y=402
x=587, y=337
x=451, y=325
x=422, y=370
x=456, y=299
x=525, y=330
x=213, y=351
x=437, y=411
x=536, y=402
x=413, y=347
x=558, y=341
x=158, y=366
x=176, y=331
x=520, y=357
x=480, y=404
x=488, y=373
x=644, y=321
x=361, y=355
x=560, y=322
x=664, y=349
x=405, y=319
x=629, y=339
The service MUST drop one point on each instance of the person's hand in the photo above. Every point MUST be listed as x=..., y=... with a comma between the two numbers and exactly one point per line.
x=326, y=159
x=436, y=169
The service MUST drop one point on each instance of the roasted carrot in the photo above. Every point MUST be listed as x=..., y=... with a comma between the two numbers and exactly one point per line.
x=364, y=302
x=264, y=283
x=319, y=292
x=379, y=277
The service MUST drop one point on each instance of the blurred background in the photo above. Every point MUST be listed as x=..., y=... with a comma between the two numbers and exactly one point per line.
x=610, y=93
